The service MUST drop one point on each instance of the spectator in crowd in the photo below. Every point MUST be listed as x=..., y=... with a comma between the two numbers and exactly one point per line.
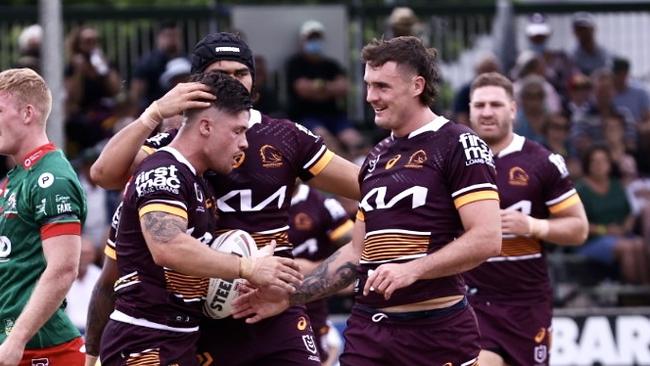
x=266, y=98
x=555, y=131
x=623, y=162
x=533, y=111
x=145, y=86
x=403, y=22
x=629, y=94
x=588, y=56
x=317, y=90
x=557, y=65
x=634, y=97
x=177, y=70
x=611, y=221
x=79, y=294
x=488, y=63
x=579, y=96
x=588, y=129
x=91, y=83
x=530, y=63
x=29, y=48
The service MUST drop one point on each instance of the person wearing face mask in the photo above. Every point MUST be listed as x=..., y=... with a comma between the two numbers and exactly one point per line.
x=318, y=88
x=557, y=65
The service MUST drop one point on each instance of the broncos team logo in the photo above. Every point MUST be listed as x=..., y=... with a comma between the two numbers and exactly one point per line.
x=239, y=160
x=302, y=221
x=417, y=159
x=517, y=177
x=271, y=157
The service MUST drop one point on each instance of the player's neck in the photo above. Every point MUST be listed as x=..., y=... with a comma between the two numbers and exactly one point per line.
x=497, y=147
x=30, y=144
x=415, y=120
x=190, y=153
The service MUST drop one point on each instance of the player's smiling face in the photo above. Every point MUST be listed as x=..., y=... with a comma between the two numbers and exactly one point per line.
x=390, y=93
x=492, y=113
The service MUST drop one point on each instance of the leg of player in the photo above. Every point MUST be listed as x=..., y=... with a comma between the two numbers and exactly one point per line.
x=489, y=358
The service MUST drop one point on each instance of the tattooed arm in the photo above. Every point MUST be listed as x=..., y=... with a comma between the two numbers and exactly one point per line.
x=334, y=274
x=171, y=247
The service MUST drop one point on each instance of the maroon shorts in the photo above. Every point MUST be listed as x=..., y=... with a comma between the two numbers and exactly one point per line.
x=436, y=337
x=125, y=344
x=283, y=340
x=521, y=334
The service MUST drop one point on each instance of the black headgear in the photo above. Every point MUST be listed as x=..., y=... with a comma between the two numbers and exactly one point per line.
x=221, y=46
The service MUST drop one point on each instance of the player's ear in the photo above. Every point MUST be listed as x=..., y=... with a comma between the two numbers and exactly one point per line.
x=205, y=127
x=418, y=85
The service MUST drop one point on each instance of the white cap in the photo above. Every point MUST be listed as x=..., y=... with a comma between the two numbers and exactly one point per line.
x=537, y=26
x=175, y=67
x=310, y=27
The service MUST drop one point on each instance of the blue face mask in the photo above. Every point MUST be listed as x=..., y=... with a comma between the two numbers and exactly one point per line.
x=314, y=47
x=538, y=48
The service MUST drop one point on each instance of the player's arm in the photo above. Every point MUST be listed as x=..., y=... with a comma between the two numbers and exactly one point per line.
x=566, y=226
x=170, y=246
x=61, y=254
x=340, y=177
x=102, y=302
x=335, y=273
x=122, y=152
x=480, y=241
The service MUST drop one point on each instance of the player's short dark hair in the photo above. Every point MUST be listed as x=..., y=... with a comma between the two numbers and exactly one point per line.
x=232, y=96
x=492, y=79
x=620, y=65
x=410, y=52
x=167, y=24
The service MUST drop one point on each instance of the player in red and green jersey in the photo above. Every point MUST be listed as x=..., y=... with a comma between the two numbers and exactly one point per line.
x=42, y=209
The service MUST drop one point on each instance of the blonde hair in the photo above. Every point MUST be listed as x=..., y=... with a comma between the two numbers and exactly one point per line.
x=27, y=87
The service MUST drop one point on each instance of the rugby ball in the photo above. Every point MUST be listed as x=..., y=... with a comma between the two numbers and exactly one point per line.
x=221, y=293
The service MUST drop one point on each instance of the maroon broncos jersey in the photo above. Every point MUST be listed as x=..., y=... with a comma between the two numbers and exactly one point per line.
x=536, y=182
x=255, y=196
x=412, y=188
x=164, y=182
x=316, y=224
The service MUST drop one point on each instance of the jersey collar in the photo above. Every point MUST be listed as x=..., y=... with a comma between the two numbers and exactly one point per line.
x=302, y=191
x=178, y=156
x=255, y=117
x=432, y=126
x=35, y=155
x=517, y=144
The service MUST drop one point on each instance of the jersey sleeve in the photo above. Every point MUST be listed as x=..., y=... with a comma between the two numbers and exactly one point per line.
x=59, y=204
x=315, y=155
x=161, y=187
x=338, y=224
x=158, y=141
x=470, y=170
x=109, y=249
x=559, y=192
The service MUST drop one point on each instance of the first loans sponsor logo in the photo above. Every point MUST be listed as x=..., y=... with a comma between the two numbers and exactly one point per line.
x=476, y=151
x=164, y=178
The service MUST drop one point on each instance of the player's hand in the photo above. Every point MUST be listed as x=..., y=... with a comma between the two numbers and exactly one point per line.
x=388, y=278
x=514, y=223
x=182, y=97
x=10, y=353
x=260, y=304
x=269, y=270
